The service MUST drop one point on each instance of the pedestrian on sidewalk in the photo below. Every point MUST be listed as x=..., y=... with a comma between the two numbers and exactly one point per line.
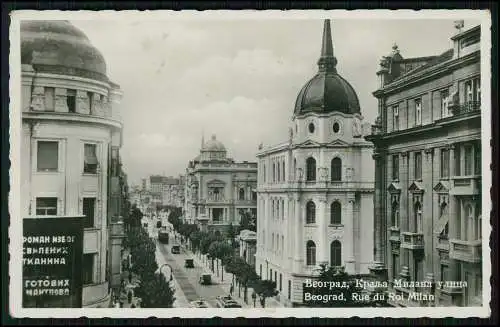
x=231, y=290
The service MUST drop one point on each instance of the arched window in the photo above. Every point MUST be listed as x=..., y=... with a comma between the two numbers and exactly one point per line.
x=264, y=172
x=310, y=213
x=278, y=174
x=335, y=213
x=274, y=172
x=241, y=195
x=336, y=169
x=395, y=214
x=254, y=196
x=418, y=218
x=335, y=254
x=310, y=253
x=310, y=169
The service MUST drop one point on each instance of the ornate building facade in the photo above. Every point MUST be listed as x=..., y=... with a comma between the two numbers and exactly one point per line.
x=315, y=192
x=71, y=136
x=428, y=173
x=218, y=189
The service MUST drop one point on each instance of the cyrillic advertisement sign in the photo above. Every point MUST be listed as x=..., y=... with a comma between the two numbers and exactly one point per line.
x=52, y=262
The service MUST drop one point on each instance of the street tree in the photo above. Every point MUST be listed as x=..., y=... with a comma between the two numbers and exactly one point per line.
x=156, y=293
x=265, y=289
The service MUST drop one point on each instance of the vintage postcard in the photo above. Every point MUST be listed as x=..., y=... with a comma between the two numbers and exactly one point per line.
x=250, y=164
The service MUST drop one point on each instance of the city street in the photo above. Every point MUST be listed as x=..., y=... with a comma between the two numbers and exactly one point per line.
x=186, y=280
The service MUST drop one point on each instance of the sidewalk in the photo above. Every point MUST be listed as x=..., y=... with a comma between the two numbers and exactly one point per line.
x=226, y=284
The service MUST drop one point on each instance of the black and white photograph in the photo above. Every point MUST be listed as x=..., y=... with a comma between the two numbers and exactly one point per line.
x=250, y=164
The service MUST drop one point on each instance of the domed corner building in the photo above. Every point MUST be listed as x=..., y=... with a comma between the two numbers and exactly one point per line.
x=315, y=191
x=219, y=190
x=71, y=136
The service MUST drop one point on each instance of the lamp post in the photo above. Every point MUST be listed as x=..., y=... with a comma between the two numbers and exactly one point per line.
x=171, y=271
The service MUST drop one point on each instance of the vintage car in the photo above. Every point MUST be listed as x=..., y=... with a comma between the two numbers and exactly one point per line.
x=205, y=279
x=189, y=263
x=176, y=249
x=226, y=302
x=200, y=303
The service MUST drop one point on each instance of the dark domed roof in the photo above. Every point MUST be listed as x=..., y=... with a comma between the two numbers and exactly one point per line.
x=59, y=47
x=327, y=91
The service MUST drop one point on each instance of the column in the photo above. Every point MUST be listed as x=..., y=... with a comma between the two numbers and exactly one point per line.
x=403, y=215
x=452, y=161
x=60, y=103
x=299, y=245
x=428, y=215
x=322, y=233
x=349, y=235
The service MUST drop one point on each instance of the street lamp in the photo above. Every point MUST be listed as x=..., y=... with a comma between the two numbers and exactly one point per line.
x=171, y=271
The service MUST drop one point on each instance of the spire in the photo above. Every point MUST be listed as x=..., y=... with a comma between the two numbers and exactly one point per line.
x=327, y=61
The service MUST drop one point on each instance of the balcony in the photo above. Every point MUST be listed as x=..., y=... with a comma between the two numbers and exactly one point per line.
x=466, y=185
x=467, y=251
x=412, y=241
x=465, y=108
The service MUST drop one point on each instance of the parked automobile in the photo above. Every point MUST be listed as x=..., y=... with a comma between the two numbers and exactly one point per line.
x=200, y=303
x=227, y=302
x=158, y=224
x=176, y=249
x=205, y=279
x=189, y=263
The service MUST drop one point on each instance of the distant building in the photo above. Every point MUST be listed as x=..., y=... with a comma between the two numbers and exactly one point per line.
x=71, y=136
x=218, y=189
x=315, y=192
x=428, y=172
x=248, y=241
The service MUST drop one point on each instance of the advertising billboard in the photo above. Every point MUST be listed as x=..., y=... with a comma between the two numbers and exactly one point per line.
x=52, y=262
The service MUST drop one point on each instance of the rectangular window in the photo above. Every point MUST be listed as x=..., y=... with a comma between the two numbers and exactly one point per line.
x=395, y=112
x=89, y=212
x=281, y=281
x=49, y=98
x=477, y=159
x=418, y=166
x=47, y=155
x=395, y=167
x=88, y=269
x=457, y=160
x=468, y=160
x=444, y=103
x=90, y=159
x=289, y=289
x=71, y=100
x=275, y=276
x=46, y=206
x=445, y=163
x=418, y=112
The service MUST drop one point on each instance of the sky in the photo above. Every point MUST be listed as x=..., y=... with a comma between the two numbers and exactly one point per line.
x=238, y=79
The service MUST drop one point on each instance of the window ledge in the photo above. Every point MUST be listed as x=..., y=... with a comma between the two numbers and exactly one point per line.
x=311, y=225
x=47, y=172
x=336, y=225
x=90, y=174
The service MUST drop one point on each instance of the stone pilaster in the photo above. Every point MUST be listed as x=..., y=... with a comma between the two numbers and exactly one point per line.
x=379, y=215
x=349, y=235
x=60, y=100
x=82, y=102
x=427, y=205
x=323, y=232
x=299, y=245
x=37, y=98
x=96, y=105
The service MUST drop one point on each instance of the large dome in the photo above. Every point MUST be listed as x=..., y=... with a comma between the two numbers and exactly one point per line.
x=327, y=91
x=214, y=145
x=56, y=46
